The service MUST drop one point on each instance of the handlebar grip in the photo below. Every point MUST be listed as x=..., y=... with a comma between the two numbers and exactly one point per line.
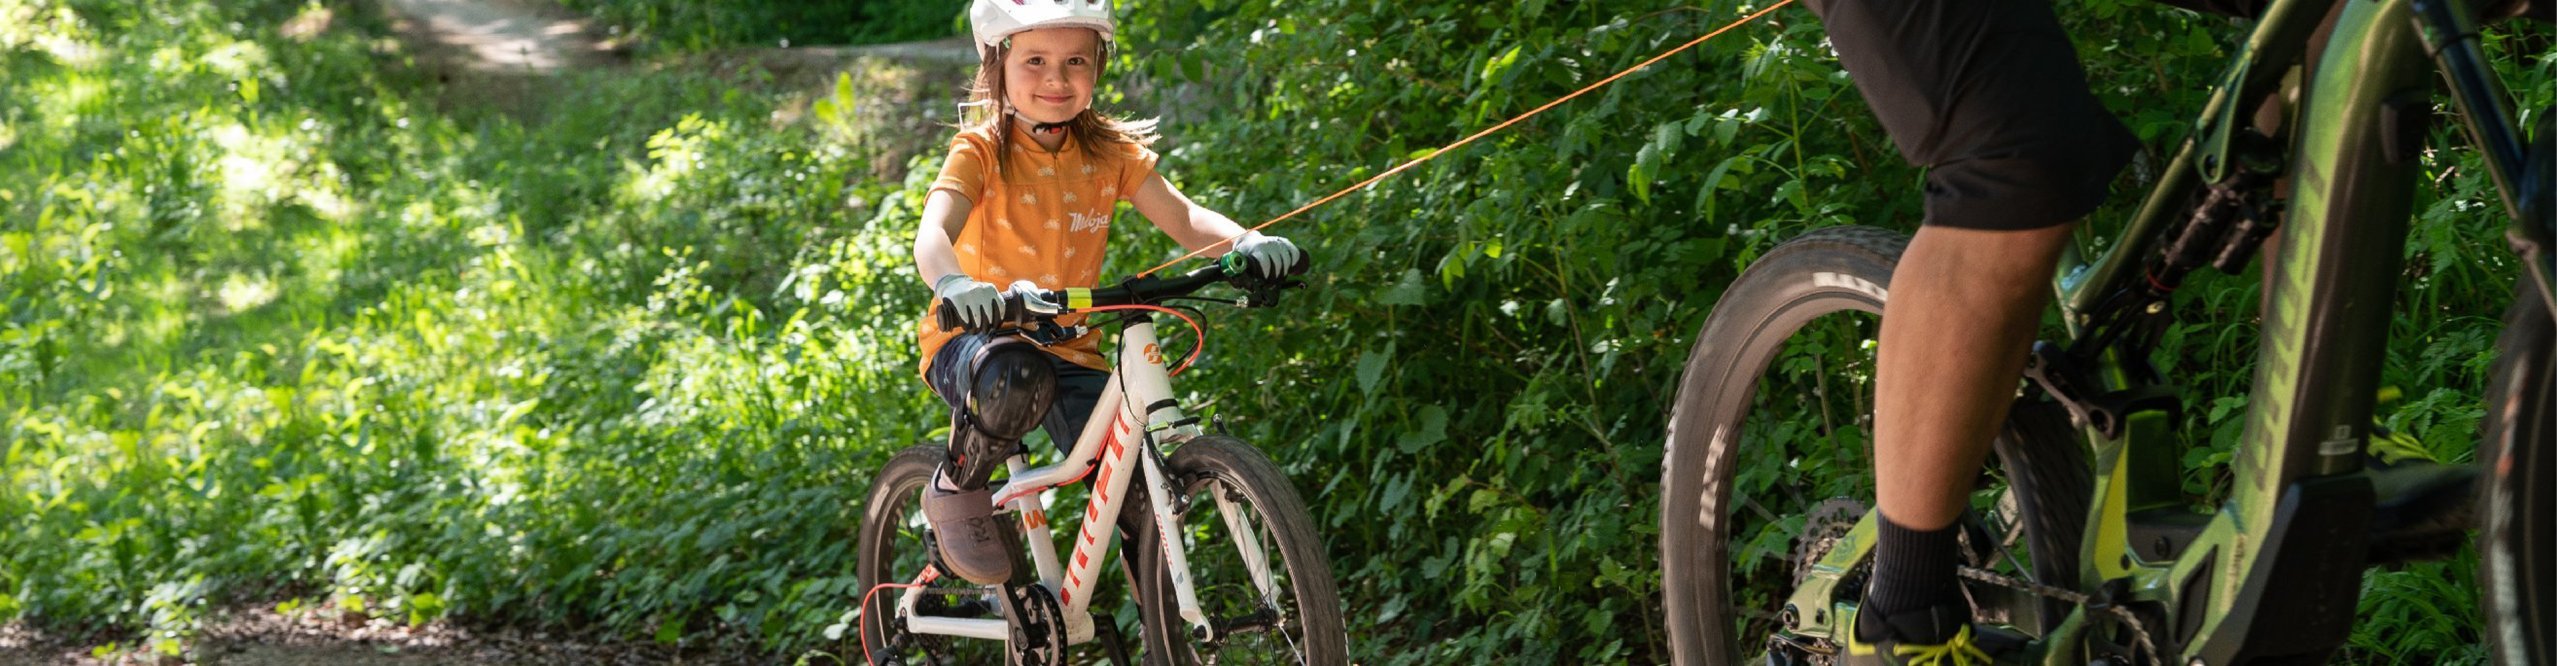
x=1007, y=310
x=1236, y=265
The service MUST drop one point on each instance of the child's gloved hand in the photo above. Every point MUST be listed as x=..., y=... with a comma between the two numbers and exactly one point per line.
x=1270, y=255
x=1029, y=293
x=976, y=304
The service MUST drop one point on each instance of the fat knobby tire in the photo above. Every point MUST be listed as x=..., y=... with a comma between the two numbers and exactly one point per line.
x=1828, y=271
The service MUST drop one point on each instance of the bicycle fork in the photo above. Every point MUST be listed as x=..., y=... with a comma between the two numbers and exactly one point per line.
x=1146, y=379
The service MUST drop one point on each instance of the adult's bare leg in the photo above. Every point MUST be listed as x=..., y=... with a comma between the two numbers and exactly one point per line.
x=1964, y=309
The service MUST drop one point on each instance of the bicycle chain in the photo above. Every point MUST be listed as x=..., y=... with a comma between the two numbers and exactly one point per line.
x=2139, y=631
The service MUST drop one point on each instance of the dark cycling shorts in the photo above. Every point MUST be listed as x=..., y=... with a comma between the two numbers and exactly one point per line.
x=1988, y=95
x=1078, y=387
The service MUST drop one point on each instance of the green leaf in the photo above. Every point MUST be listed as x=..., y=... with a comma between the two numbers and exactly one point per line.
x=1371, y=367
x=424, y=607
x=1638, y=176
x=670, y=630
x=1432, y=431
x=1395, y=492
x=1492, y=68
x=1668, y=137
x=1413, y=289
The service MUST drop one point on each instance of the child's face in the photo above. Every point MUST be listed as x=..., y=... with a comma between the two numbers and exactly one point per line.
x=1048, y=75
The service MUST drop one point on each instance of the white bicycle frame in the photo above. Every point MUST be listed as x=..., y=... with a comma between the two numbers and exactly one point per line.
x=1139, y=392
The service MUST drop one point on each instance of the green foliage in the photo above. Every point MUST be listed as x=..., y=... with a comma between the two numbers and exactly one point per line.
x=1511, y=317
x=694, y=25
x=278, y=327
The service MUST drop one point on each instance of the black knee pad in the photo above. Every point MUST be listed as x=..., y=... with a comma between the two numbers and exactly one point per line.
x=999, y=389
x=1010, y=388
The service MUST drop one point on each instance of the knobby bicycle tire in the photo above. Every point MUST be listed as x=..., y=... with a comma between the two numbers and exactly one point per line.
x=1828, y=271
x=1311, y=632
x=2516, y=551
x=891, y=550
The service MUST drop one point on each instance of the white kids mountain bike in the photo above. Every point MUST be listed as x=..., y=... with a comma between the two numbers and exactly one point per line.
x=1227, y=570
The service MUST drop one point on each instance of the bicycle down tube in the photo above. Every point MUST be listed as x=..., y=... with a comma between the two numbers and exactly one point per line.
x=1139, y=392
x=2276, y=570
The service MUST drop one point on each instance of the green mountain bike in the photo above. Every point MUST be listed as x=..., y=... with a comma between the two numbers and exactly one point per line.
x=2081, y=540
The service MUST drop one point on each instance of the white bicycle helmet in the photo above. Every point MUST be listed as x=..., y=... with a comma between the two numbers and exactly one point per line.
x=997, y=20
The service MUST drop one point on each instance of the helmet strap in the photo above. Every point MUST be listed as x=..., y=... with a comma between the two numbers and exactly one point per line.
x=1043, y=128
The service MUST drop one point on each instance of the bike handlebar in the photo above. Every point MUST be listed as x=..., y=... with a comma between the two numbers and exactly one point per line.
x=1013, y=310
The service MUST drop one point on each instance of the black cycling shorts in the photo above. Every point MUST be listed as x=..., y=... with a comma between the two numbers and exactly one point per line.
x=1989, y=96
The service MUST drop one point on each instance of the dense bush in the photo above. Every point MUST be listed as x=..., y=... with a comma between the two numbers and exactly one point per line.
x=277, y=328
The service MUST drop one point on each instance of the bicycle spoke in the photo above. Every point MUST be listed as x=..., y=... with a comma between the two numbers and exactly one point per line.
x=1256, y=566
x=1268, y=615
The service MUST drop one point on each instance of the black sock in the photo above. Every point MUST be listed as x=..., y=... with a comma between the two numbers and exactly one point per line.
x=1913, y=570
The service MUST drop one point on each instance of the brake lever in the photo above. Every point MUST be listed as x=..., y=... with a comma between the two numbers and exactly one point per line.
x=1049, y=333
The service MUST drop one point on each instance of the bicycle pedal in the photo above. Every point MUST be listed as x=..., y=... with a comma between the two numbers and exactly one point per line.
x=2423, y=509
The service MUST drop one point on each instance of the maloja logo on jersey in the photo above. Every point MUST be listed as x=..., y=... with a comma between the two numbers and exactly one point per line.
x=1089, y=222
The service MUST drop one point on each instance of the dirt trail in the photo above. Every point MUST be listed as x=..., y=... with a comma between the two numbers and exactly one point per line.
x=500, y=36
x=259, y=636
x=510, y=55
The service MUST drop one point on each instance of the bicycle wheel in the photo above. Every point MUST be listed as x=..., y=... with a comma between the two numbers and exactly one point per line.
x=1783, y=373
x=1255, y=562
x=2518, y=506
x=894, y=550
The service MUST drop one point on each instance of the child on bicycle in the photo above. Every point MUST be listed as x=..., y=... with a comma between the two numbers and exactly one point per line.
x=1025, y=200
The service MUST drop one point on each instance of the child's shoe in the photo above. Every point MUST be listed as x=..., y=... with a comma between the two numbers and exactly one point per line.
x=973, y=543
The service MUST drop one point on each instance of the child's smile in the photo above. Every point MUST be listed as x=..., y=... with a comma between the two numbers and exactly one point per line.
x=1049, y=73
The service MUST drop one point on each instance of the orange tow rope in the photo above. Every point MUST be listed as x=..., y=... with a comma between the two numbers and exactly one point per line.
x=1477, y=135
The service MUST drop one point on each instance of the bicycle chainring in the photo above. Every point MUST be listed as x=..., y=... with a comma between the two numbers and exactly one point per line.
x=1822, y=526
x=1037, y=624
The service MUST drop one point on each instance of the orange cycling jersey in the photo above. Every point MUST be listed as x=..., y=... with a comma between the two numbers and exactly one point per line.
x=1043, y=217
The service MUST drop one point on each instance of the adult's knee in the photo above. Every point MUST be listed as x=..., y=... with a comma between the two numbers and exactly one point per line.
x=1010, y=388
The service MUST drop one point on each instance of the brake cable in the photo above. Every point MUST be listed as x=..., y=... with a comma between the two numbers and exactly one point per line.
x=1198, y=331
x=1664, y=55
